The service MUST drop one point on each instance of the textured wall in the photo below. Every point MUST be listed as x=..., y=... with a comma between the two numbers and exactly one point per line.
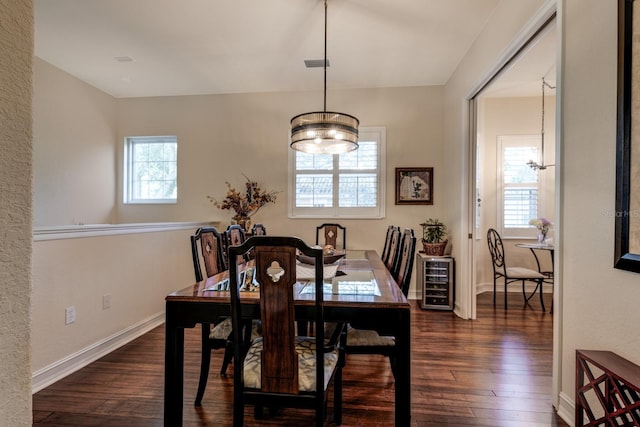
x=16, y=51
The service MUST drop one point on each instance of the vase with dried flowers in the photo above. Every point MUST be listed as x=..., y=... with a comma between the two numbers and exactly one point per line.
x=543, y=225
x=244, y=204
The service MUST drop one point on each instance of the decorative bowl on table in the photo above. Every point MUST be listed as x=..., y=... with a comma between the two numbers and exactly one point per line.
x=328, y=259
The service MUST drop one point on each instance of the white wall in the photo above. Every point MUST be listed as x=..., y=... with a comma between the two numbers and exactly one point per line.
x=511, y=116
x=220, y=137
x=74, y=132
x=16, y=51
x=491, y=47
x=600, y=303
x=137, y=269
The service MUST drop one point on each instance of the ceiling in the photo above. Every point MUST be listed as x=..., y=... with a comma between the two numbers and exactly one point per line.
x=139, y=48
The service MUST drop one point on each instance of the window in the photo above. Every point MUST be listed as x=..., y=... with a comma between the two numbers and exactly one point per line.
x=150, y=169
x=349, y=185
x=520, y=190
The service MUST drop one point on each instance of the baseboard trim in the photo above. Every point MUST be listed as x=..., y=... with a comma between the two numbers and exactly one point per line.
x=566, y=409
x=48, y=375
x=529, y=286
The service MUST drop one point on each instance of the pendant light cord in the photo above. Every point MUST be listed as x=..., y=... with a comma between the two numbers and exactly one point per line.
x=544, y=83
x=325, y=57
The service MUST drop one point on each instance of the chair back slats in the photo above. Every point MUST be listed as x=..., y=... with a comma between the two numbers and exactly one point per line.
x=405, y=263
x=234, y=235
x=276, y=275
x=333, y=234
x=286, y=362
x=387, y=243
x=394, y=250
x=210, y=251
x=258, y=230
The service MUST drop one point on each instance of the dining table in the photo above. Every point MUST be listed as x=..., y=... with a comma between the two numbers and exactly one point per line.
x=359, y=288
x=548, y=274
x=534, y=248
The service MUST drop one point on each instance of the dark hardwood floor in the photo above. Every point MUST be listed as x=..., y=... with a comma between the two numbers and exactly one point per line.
x=494, y=371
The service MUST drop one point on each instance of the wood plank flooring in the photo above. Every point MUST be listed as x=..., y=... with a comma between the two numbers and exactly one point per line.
x=494, y=371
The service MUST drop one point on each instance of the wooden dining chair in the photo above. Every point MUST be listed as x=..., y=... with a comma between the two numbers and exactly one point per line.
x=360, y=339
x=387, y=243
x=281, y=369
x=333, y=234
x=511, y=274
x=233, y=236
x=211, y=252
x=258, y=230
x=394, y=251
x=404, y=268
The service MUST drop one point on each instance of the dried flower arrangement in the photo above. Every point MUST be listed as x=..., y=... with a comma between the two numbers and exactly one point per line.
x=244, y=204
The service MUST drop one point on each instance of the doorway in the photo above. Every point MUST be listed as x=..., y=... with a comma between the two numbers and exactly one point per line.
x=512, y=123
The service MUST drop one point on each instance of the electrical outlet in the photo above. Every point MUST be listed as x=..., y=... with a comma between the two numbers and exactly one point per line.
x=70, y=314
x=106, y=301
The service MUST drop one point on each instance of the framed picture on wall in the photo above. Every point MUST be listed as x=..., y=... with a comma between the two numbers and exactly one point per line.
x=627, y=211
x=414, y=186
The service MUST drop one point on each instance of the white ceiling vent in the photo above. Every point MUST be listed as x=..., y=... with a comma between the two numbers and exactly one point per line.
x=315, y=63
x=124, y=59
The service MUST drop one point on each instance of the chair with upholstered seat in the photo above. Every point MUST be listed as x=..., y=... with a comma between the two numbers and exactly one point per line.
x=511, y=274
x=359, y=339
x=333, y=234
x=281, y=369
x=210, y=251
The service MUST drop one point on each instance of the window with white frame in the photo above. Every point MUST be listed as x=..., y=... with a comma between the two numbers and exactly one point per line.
x=348, y=185
x=151, y=169
x=520, y=192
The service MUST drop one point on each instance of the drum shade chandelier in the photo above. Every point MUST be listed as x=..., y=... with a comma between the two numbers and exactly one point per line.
x=324, y=132
x=532, y=164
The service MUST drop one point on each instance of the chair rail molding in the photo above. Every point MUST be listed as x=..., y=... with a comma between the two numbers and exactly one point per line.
x=59, y=232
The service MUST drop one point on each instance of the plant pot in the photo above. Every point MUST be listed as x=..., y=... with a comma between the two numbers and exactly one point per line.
x=434, y=249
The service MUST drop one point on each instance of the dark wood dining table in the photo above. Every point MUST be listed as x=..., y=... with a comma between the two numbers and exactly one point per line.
x=380, y=305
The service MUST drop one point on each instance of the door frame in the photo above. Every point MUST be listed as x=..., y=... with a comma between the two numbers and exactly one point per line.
x=545, y=16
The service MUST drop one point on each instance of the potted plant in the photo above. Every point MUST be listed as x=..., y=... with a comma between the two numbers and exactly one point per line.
x=434, y=237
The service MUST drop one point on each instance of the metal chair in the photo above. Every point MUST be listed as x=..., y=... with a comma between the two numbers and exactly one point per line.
x=282, y=369
x=511, y=274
